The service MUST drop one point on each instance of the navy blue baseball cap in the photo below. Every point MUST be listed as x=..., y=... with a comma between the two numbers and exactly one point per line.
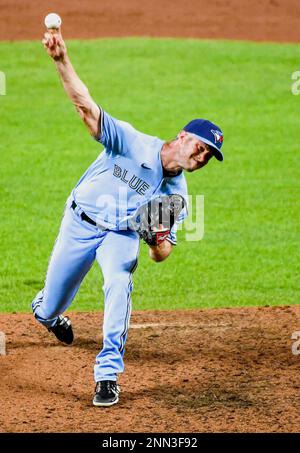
x=209, y=133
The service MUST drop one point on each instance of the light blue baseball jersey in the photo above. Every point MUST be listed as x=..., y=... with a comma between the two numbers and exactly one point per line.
x=127, y=174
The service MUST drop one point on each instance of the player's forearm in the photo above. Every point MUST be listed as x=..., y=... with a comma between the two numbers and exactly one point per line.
x=74, y=87
x=160, y=252
x=79, y=95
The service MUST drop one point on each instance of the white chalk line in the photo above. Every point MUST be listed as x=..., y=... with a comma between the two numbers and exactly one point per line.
x=181, y=326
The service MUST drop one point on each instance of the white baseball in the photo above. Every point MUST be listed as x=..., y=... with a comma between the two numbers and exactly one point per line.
x=53, y=20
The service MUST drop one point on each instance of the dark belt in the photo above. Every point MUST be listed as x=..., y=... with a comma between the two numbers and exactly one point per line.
x=83, y=215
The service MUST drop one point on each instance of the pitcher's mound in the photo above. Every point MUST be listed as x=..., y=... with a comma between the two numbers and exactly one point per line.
x=187, y=371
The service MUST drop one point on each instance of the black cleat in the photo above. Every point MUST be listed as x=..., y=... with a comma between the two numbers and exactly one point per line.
x=63, y=329
x=107, y=393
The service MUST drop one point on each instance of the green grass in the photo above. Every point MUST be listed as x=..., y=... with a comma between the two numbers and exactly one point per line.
x=250, y=251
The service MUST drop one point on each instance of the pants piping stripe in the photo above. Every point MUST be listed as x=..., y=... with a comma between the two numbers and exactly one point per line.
x=126, y=326
x=37, y=302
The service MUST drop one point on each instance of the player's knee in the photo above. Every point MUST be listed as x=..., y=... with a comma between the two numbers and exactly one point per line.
x=119, y=274
x=116, y=281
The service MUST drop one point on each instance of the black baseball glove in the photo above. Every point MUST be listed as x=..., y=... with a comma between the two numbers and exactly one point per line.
x=154, y=220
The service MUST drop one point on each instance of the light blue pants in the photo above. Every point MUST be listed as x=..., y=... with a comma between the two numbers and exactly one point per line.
x=77, y=246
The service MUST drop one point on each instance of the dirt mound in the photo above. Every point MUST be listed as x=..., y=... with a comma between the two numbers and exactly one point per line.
x=187, y=371
x=262, y=20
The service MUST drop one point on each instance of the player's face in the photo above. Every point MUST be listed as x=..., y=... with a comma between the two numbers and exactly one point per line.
x=194, y=153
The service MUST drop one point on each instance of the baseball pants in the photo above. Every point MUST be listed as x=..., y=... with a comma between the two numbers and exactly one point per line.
x=77, y=246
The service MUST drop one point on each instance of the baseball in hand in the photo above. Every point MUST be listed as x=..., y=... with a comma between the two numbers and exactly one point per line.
x=53, y=21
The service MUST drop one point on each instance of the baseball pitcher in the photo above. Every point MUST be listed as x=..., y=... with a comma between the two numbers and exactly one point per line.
x=135, y=189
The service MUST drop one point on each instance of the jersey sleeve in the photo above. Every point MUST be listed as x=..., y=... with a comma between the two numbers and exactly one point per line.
x=115, y=135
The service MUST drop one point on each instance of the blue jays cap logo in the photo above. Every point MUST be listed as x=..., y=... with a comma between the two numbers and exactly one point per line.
x=218, y=136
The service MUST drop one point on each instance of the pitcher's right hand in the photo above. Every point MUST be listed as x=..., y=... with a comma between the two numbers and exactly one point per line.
x=55, y=45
